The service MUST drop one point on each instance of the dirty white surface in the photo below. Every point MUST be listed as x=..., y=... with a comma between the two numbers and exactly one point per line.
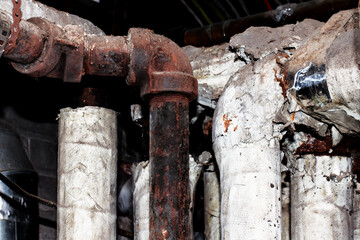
x=141, y=195
x=214, y=66
x=336, y=46
x=356, y=209
x=87, y=168
x=32, y=8
x=321, y=198
x=141, y=201
x=211, y=204
x=258, y=42
x=246, y=146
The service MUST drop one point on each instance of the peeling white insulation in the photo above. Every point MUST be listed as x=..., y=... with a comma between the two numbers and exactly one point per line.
x=141, y=193
x=87, y=169
x=246, y=146
x=32, y=8
x=321, y=198
x=336, y=47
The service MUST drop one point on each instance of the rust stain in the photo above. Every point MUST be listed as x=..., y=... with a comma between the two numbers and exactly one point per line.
x=235, y=128
x=227, y=121
x=292, y=117
x=315, y=145
x=282, y=82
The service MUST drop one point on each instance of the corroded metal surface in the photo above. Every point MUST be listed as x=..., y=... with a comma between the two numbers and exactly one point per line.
x=15, y=27
x=93, y=97
x=169, y=159
x=50, y=54
x=106, y=56
x=29, y=45
x=158, y=65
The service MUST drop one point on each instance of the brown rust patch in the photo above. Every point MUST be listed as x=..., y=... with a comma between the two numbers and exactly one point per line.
x=281, y=60
x=315, y=146
x=292, y=117
x=227, y=121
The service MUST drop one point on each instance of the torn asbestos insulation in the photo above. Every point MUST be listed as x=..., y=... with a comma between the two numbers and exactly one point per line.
x=326, y=75
x=87, y=169
x=246, y=146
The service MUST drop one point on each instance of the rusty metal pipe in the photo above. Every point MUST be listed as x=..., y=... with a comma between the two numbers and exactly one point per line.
x=106, y=55
x=163, y=73
x=169, y=166
x=29, y=45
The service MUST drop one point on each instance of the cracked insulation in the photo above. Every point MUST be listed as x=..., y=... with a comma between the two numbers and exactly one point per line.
x=87, y=165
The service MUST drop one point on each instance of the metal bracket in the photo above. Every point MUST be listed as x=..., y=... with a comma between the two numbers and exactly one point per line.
x=15, y=27
x=4, y=31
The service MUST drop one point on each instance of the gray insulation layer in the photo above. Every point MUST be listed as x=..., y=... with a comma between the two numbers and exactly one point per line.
x=321, y=198
x=87, y=169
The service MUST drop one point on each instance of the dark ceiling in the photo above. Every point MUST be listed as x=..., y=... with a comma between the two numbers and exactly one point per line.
x=169, y=18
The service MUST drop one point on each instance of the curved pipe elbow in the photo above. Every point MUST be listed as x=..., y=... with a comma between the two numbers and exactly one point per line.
x=158, y=65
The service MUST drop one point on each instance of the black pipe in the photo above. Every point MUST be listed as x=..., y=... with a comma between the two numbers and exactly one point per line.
x=221, y=32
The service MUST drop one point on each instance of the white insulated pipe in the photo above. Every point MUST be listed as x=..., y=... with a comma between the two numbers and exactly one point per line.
x=321, y=198
x=246, y=146
x=87, y=169
x=211, y=203
x=356, y=210
x=141, y=201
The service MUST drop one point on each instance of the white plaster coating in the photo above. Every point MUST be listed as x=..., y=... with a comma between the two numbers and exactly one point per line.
x=321, y=198
x=32, y=8
x=246, y=146
x=87, y=174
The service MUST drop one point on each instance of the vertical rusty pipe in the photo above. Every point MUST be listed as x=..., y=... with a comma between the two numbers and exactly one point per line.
x=169, y=159
x=164, y=74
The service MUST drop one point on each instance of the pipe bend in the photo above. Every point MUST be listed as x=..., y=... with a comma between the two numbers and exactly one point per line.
x=158, y=65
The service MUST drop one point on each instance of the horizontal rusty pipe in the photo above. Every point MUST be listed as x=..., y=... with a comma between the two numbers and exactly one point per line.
x=221, y=32
x=106, y=55
x=29, y=43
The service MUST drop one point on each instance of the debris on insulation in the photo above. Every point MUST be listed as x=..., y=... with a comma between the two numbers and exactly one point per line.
x=291, y=97
x=326, y=69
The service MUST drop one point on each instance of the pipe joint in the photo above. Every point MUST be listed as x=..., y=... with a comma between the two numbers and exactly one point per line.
x=61, y=55
x=158, y=65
